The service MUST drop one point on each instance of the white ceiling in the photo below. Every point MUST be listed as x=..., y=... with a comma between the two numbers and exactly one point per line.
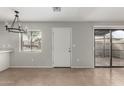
x=66, y=14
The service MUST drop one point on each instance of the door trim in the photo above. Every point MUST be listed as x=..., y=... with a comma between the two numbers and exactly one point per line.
x=70, y=46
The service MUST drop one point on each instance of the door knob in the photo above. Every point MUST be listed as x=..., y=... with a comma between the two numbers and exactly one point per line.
x=69, y=50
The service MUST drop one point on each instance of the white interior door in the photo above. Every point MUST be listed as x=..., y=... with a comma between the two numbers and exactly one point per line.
x=62, y=47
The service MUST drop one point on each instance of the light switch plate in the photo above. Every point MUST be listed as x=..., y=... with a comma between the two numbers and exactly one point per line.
x=74, y=45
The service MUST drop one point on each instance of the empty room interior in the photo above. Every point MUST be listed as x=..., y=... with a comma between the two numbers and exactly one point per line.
x=61, y=46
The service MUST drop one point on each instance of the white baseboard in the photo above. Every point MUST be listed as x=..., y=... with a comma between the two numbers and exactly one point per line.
x=48, y=67
x=30, y=67
x=81, y=67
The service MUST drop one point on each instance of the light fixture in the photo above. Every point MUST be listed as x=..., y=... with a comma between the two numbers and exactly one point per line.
x=16, y=26
x=57, y=9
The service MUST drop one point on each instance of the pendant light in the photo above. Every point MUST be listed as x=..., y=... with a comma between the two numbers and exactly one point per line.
x=16, y=26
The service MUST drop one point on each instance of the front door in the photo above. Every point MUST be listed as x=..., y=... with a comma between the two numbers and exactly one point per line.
x=61, y=47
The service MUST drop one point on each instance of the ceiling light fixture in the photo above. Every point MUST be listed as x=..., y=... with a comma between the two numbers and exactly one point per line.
x=57, y=9
x=15, y=26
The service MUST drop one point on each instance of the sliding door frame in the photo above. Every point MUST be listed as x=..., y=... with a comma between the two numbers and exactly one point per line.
x=95, y=51
x=110, y=29
x=110, y=48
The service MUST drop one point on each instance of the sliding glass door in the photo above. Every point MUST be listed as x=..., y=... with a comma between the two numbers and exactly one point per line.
x=109, y=47
x=117, y=47
x=102, y=47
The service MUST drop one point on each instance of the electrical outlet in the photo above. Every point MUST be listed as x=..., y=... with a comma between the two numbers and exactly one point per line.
x=74, y=45
x=8, y=45
x=32, y=60
x=77, y=59
x=3, y=45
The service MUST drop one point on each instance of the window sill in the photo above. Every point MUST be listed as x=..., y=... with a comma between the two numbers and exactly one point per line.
x=30, y=51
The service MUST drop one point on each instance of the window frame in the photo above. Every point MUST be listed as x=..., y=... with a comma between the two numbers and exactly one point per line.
x=29, y=51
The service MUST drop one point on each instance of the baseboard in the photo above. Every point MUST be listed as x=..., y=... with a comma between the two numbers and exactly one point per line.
x=48, y=67
x=30, y=67
x=81, y=67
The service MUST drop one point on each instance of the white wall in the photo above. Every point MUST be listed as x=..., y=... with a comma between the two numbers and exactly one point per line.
x=82, y=37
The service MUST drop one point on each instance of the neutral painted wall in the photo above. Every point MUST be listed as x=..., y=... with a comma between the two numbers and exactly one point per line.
x=82, y=37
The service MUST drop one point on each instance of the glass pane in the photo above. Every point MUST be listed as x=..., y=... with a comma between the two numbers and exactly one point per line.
x=102, y=47
x=36, y=40
x=117, y=47
x=26, y=41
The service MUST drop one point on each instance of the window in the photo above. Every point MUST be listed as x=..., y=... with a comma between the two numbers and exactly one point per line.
x=31, y=41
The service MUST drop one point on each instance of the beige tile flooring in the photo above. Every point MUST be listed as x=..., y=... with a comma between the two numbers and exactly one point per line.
x=62, y=76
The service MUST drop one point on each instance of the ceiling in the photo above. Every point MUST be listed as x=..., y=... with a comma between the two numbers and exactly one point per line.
x=67, y=14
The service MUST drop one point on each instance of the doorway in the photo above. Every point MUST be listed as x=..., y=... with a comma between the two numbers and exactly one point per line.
x=109, y=47
x=61, y=47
